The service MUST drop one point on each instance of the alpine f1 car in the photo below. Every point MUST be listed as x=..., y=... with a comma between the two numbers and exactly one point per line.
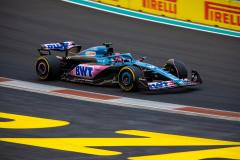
x=100, y=65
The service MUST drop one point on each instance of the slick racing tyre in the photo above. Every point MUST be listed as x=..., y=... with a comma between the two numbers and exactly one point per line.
x=128, y=78
x=177, y=68
x=48, y=67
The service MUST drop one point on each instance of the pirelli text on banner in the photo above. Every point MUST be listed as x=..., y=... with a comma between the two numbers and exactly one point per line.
x=222, y=13
x=169, y=6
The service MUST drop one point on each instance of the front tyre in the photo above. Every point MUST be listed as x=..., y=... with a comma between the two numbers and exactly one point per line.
x=48, y=67
x=128, y=78
x=177, y=68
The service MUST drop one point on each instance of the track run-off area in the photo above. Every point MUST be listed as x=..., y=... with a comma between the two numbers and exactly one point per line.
x=61, y=120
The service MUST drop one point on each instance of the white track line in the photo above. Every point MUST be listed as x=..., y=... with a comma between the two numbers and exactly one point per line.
x=116, y=100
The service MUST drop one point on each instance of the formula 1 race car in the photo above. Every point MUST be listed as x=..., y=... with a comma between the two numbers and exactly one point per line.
x=99, y=65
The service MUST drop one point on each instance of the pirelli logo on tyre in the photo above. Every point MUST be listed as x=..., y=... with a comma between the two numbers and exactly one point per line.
x=222, y=13
x=167, y=6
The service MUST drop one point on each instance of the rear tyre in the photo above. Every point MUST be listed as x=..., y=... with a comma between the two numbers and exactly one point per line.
x=177, y=68
x=128, y=78
x=48, y=67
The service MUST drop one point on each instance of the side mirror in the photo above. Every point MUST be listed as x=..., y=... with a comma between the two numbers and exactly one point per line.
x=142, y=58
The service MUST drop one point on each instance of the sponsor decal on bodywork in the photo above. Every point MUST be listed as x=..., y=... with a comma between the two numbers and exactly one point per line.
x=90, y=53
x=84, y=71
x=58, y=46
x=87, y=70
x=159, y=85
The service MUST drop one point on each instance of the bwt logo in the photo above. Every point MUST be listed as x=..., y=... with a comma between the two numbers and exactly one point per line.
x=84, y=71
x=169, y=6
x=222, y=13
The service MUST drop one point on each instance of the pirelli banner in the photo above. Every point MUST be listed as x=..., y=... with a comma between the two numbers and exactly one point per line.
x=221, y=13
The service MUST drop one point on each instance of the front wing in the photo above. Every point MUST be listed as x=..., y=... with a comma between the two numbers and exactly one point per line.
x=169, y=84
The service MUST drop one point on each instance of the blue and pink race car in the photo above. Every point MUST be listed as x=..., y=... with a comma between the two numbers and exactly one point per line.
x=100, y=65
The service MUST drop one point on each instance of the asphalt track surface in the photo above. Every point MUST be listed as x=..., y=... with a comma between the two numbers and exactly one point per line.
x=26, y=24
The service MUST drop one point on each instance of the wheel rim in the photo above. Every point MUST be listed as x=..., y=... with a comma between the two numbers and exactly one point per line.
x=126, y=78
x=42, y=69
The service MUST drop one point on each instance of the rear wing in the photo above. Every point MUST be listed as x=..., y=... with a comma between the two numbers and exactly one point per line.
x=67, y=47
